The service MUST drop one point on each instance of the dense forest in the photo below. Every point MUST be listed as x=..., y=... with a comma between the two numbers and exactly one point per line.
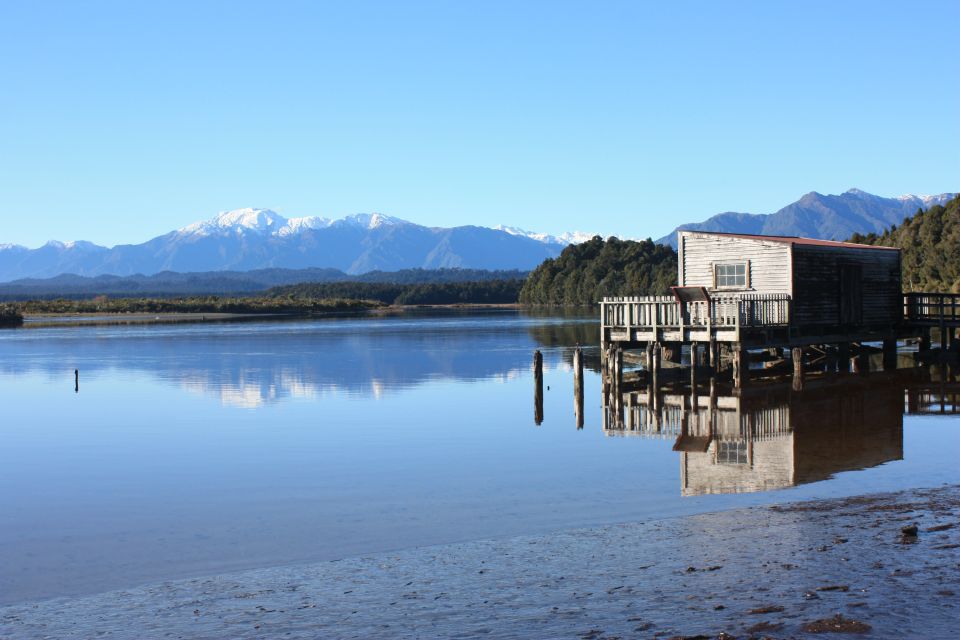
x=485, y=292
x=585, y=273
x=930, y=241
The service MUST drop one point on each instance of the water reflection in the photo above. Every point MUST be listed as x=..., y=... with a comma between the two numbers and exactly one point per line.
x=774, y=436
x=254, y=364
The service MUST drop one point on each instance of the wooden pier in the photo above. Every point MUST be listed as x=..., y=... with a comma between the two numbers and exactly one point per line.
x=743, y=298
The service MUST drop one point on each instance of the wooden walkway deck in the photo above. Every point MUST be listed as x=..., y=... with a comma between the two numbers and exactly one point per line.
x=759, y=320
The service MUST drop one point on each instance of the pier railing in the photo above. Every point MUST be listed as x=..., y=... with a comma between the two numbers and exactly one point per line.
x=666, y=312
x=932, y=307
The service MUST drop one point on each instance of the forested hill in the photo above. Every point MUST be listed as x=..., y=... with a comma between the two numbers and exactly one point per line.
x=584, y=273
x=930, y=241
x=228, y=283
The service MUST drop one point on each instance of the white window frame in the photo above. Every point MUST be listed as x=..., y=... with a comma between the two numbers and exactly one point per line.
x=732, y=263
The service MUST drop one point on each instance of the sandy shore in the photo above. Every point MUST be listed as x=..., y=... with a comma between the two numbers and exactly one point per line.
x=842, y=566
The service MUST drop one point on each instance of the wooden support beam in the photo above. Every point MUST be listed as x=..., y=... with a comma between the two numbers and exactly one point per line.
x=843, y=357
x=578, y=386
x=863, y=359
x=796, y=354
x=537, y=387
x=741, y=366
x=655, y=367
x=694, y=361
x=890, y=354
x=923, y=345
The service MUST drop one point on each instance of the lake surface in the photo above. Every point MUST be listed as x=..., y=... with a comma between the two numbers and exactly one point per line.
x=196, y=449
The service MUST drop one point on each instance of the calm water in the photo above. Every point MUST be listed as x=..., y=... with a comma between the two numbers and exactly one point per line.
x=198, y=449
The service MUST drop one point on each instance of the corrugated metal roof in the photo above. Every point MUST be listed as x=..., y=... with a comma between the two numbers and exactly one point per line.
x=793, y=240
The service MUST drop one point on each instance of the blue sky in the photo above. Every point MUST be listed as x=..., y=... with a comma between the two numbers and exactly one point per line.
x=121, y=121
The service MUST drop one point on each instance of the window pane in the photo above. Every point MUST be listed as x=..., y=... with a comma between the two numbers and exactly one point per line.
x=731, y=275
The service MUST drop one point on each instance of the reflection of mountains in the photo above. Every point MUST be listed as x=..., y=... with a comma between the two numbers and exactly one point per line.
x=766, y=439
x=252, y=363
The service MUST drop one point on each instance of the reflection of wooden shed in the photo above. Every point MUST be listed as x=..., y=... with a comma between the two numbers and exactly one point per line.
x=830, y=284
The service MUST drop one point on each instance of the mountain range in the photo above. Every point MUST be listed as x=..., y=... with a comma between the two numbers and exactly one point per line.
x=815, y=215
x=250, y=239
x=247, y=239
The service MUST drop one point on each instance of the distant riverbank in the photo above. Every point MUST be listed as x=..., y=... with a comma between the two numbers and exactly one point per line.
x=107, y=318
x=879, y=566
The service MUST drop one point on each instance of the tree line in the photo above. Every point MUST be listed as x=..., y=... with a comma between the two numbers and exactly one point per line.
x=584, y=273
x=480, y=292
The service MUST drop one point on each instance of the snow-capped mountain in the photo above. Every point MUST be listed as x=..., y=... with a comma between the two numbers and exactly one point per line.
x=249, y=220
x=252, y=238
x=571, y=237
x=815, y=215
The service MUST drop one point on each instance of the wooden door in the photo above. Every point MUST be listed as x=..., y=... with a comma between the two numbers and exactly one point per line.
x=851, y=294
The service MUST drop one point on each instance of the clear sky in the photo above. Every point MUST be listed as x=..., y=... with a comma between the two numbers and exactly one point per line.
x=121, y=121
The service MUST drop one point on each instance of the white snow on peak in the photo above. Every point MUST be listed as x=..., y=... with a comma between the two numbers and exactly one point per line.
x=296, y=225
x=574, y=237
x=267, y=222
x=927, y=200
x=71, y=244
x=371, y=220
x=263, y=221
x=260, y=220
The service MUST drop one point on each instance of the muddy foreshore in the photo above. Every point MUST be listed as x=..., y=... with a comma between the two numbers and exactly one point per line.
x=876, y=566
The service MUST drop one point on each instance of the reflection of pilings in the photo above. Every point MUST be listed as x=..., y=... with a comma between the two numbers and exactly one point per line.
x=538, y=387
x=578, y=386
x=613, y=390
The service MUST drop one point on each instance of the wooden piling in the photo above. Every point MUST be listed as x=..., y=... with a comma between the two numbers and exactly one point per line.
x=843, y=357
x=741, y=366
x=655, y=367
x=923, y=344
x=578, y=386
x=76, y=380
x=863, y=360
x=889, y=354
x=538, y=387
x=796, y=355
x=694, y=361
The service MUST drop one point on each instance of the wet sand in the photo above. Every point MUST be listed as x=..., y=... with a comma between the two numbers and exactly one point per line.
x=878, y=566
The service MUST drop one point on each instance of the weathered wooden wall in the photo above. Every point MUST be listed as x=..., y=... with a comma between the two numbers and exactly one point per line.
x=817, y=284
x=769, y=261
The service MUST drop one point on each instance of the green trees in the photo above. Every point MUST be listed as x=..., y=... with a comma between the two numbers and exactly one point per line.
x=930, y=241
x=585, y=273
x=10, y=316
x=479, y=292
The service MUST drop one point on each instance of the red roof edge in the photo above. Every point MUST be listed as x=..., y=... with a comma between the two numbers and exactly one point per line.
x=793, y=240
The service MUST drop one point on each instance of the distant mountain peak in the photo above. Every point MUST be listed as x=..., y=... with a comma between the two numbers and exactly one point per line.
x=81, y=245
x=571, y=237
x=371, y=220
x=814, y=215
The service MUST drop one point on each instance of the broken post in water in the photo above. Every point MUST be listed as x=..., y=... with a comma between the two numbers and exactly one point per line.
x=578, y=386
x=76, y=380
x=538, y=387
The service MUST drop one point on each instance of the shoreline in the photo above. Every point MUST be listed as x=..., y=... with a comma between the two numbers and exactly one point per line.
x=37, y=320
x=774, y=571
